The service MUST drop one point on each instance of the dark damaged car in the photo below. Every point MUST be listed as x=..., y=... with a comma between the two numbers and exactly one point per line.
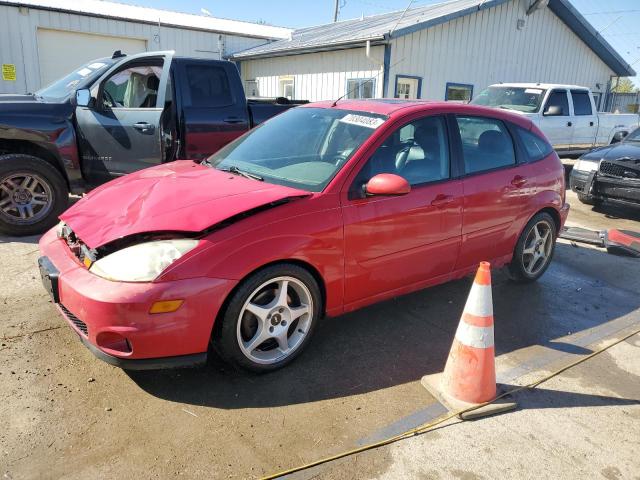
x=610, y=174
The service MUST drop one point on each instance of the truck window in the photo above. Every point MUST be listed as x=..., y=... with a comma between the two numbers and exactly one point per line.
x=133, y=87
x=581, y=102
x=522, y=99
x=558, y=98
x=208, y=86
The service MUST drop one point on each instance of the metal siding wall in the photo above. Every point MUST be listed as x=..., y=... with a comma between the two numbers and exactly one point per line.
x=18, y=43
x=317, y=76
x=486, y=47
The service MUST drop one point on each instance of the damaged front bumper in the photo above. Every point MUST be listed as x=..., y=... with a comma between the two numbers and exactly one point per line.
x=614, y=181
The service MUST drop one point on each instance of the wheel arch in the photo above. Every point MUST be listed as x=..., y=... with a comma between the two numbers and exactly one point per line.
x=26, y=147
x=217, y=324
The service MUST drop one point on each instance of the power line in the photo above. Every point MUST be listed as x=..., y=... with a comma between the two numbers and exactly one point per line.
x=613, y=12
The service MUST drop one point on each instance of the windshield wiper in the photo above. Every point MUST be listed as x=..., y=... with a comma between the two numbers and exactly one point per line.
x=236, y=171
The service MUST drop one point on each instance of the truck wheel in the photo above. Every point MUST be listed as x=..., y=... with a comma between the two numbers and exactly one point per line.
x=32, y=195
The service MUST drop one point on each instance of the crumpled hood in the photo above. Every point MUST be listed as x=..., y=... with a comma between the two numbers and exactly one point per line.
x=178, y=196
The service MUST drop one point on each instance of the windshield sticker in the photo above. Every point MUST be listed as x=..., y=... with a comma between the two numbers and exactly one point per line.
x=83, y=72
x=362, y=120
x=533, y=90
x=95, y=66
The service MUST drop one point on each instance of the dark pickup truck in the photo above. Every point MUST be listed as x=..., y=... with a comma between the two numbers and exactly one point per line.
x=111, y=117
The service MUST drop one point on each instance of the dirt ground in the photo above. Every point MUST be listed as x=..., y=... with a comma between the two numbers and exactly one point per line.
x=65, y=414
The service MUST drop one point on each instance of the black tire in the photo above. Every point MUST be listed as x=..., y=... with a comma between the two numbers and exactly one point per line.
x=225, y=340
x=57, y=199
x=517, y=269
x=588, y=200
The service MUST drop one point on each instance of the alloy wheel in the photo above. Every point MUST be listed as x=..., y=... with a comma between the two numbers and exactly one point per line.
x=538, y=246
x=25, y=198
x=275, y=320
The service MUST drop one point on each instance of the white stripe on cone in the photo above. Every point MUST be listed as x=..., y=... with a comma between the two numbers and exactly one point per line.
x=472, y=336
x=479, y=303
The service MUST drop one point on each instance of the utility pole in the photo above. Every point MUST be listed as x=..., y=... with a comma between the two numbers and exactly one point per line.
x=335, y=11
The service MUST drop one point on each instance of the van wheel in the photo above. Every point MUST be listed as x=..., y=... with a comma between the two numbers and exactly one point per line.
x=534, y=250
x=269, y=319
x=32, y=195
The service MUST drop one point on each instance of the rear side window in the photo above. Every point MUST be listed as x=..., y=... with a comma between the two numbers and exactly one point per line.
x=581, y=102
x=208, y=86
x=535, y=147
x=486, y=144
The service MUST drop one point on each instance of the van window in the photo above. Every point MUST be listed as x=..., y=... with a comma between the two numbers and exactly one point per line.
x=486, y=144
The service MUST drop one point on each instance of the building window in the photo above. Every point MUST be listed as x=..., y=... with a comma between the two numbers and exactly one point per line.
x=251, y=88
x=408, y=87
x=286, y=87
x=459, y=92
x=361, y=88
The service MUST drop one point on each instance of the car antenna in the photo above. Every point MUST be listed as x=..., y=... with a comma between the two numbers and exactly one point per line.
x=118, y=54
x=375, y=77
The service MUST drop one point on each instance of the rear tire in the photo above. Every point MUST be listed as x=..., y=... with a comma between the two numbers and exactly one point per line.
x=263, y=327
x=32, y=195
x=534, y=251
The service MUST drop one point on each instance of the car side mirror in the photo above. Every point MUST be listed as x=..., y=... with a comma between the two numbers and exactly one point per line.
x=83, y=97
x=553, y=111
x=387, y=184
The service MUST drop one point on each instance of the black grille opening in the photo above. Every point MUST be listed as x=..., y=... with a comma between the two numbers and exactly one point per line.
x=612, y=169
x=80, y=325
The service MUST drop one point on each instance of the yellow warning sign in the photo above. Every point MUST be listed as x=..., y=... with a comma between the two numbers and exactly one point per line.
x=9, y=72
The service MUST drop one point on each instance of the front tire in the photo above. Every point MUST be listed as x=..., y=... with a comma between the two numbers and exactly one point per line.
x=32, y=195
x=269, y=319
x=534, y=250
x=588, y=200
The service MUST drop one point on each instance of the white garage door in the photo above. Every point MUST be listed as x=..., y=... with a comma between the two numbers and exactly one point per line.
x=60, y=52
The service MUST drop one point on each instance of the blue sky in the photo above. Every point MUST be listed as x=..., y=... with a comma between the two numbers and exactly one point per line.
x=617, y=19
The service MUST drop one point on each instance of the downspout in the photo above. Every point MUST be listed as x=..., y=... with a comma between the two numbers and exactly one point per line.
x=384, y=65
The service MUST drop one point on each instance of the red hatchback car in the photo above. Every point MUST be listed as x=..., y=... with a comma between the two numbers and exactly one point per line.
x=320, y=211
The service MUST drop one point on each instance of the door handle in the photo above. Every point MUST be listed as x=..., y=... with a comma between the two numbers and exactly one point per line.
x=569, y=124
x=518, y=181
x=591, y=124
x=144, y=127
x=441, y=200
x=233, y=120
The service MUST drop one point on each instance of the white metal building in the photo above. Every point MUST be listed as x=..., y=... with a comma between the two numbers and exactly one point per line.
x=445, y=51
x=42, y=40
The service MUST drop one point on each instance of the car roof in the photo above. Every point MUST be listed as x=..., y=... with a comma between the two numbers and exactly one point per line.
x=395, y=107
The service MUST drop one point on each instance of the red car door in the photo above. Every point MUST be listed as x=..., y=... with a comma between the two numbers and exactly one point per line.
x=495, y=189
x=397, y=244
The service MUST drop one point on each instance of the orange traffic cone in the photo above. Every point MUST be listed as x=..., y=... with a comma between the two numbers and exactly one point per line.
x=469, y=376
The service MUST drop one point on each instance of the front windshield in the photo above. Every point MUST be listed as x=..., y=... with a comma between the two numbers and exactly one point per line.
x=633, y=136
x=81, y=77
x=301, y=148
x=522, y=99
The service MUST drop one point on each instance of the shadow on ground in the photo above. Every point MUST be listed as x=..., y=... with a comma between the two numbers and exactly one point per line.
x=401, y=340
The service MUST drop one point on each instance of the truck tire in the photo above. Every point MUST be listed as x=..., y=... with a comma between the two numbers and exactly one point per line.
x=32, y=195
